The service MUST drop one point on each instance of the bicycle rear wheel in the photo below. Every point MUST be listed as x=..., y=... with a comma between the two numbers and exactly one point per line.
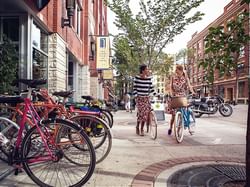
x=178, y=127
x=153, y=125
x=68, y=166
x=98, y=132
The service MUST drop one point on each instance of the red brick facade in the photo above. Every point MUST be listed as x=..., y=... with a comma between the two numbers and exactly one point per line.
x=225, y=86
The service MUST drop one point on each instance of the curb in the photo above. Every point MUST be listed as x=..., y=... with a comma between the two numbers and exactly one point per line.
x=148, y=176
x=6, y=173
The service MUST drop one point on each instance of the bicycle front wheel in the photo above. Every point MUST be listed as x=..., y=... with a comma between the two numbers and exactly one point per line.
x=178, y=127
x=153, y=125
x=58, y=162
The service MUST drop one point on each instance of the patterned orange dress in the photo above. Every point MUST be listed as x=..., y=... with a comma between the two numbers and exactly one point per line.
x=179, y=89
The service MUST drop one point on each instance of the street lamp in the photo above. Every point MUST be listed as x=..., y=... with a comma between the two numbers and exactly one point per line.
x=70, y=7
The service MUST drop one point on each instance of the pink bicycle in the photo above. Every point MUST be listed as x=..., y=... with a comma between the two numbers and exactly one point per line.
x=54, y=152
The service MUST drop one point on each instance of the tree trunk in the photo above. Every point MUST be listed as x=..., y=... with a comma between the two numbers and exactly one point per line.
x=248, y=141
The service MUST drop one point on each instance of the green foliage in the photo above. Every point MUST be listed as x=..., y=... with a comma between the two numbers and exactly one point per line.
x=223, y=47
x=8, y=65
x=163, y=67
x=155, y=25
x=126, y=59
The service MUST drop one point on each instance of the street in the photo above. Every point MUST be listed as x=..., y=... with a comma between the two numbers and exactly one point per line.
x=215, y=137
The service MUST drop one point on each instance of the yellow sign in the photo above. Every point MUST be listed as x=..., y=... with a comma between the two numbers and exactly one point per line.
x=102, y=52
x=107, y=74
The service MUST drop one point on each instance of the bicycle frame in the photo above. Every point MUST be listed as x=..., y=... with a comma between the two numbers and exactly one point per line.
x=185, y=111
x=29, y=108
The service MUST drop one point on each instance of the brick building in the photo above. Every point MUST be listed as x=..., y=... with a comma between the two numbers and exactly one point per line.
x=52, y=50
x=225, y=86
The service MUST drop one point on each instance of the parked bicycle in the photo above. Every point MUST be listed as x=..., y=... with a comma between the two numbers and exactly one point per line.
x=91, y=122
x=49, y=144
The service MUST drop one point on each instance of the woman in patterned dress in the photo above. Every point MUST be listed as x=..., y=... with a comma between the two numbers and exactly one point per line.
x=179, y=85
x=143, y=87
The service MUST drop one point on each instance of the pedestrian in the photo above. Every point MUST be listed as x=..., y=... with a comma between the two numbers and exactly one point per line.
x=143, y=87
x=179, y=85
x=127, y=102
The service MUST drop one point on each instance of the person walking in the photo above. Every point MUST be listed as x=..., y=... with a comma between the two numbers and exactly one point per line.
x=143, y=87
x=127, y=102
x=179, y=86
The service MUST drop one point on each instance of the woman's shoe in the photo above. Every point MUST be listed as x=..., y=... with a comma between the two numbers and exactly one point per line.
x=169, y=131
x=137, y=131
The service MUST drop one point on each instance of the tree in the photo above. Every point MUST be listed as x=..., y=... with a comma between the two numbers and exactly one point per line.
x=184, y=54
x=8, y=65
x=155, y=25
x=164, y=65
x=248, y=127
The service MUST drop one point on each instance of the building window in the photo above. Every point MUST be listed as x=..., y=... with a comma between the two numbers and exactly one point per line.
x=221, y=91
x=77, y=19
x=241, y=89
x=39, y=53
x=242, y=51
x=10, y=25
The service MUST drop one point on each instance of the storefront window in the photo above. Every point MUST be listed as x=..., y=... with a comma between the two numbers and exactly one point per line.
x=11, y=28
x=39, y=53
x=241, y=89
x=39, y=39
x=221, y=91
x=39, y=65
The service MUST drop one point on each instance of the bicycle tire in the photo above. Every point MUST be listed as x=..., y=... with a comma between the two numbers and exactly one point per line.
x=153, y=125
x=58, y=171
x=106, y=118
x=178, y=127
x=110, y=116
x=9, y=131
x=100, y=138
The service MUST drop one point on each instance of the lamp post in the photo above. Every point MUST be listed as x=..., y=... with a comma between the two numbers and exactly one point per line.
x=70, y=7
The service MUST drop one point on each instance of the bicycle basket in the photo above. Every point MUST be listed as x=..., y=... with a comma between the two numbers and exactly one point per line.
x=177, y=102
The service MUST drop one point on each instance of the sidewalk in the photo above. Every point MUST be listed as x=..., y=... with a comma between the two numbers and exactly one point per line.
x=139, y=161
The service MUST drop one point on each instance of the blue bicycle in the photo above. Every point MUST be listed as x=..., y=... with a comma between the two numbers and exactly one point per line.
x=184, y=117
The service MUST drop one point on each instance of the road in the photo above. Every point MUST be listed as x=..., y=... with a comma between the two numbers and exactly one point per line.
x=215, y=136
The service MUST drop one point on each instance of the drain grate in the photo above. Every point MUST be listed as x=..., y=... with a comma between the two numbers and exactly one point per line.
x=235, y=172
x=212, y=175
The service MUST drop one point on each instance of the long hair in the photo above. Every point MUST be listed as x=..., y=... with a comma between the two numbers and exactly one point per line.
x=180, y=68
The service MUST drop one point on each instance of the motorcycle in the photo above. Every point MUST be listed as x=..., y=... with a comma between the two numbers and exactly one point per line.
x=210, y=105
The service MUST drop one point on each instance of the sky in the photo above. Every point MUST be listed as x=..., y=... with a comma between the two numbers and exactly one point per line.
x=211, y=8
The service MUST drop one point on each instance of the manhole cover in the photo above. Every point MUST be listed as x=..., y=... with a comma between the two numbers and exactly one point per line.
x=207, y=175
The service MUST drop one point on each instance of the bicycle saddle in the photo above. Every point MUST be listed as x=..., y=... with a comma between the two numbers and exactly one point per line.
x=87, y=97
x=11, y=99
x=33, y=83
x=62, y=93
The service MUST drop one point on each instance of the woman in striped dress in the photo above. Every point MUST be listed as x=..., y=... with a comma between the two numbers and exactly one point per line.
x=143, y=87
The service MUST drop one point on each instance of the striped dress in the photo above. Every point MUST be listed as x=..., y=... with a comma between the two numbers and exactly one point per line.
x=143, y=88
